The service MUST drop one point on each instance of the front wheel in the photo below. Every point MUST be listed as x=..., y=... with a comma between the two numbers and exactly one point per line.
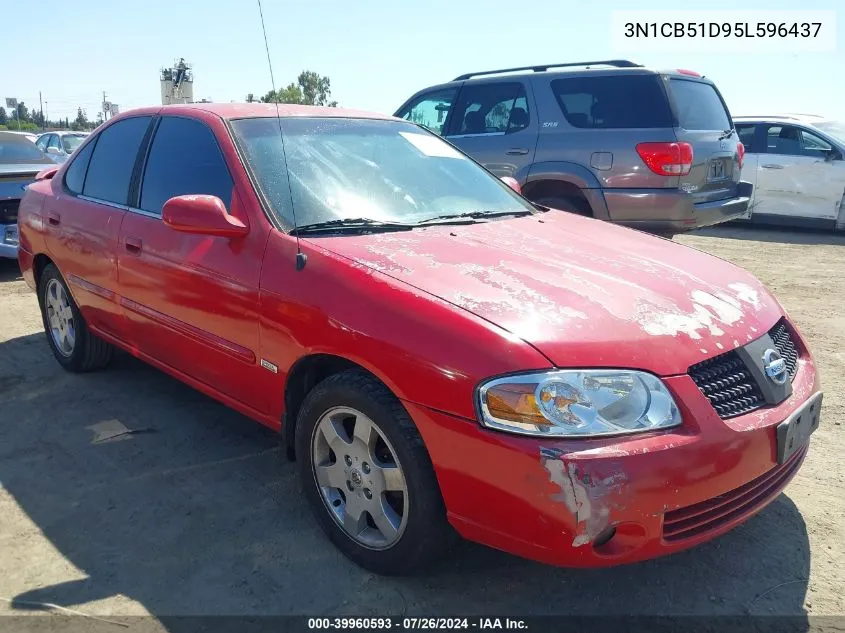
x=368, y=477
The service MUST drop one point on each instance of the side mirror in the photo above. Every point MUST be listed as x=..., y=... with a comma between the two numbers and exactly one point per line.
x=201, y=215
x=512, y=183
x=53, y=150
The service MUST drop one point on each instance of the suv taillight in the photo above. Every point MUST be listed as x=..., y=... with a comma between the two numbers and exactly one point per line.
x=740, y=154
x=667, y=159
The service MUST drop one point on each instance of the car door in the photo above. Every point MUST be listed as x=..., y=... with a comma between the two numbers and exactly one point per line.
x=191, y=301
x=800, y=177
x=83, y=217
x=493, y=123
x=750, y=136
x=55, y=149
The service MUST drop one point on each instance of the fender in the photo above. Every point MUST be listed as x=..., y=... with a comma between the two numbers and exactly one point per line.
x=571, y=173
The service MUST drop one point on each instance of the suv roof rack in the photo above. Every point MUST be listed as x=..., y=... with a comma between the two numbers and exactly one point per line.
x=793, y=116
x=618, y=63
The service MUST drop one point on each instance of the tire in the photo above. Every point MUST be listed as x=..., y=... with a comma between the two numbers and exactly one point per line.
x=344, y=401
x=570, y=205
x=87, y=352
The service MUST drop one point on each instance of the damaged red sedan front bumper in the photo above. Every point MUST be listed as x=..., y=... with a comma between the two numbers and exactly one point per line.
x=590, y=503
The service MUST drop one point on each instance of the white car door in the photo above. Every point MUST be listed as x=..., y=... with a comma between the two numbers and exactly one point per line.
x=799, y=175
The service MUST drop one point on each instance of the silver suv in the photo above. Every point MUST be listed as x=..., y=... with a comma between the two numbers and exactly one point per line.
x=654, y=150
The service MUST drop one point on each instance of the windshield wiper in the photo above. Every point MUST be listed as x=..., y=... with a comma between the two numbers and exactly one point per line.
x=726, y=134
x=350, y=225
x=466, y=218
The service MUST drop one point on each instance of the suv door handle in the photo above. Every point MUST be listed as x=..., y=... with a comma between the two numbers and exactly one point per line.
x=772, y=166
x=133, y=245
x=517, y=151
x=53, y=218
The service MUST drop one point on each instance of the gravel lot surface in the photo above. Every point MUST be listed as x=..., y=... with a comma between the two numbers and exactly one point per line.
x=197, y=512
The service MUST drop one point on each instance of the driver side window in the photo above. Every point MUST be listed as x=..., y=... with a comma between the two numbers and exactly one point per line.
x=431, y=110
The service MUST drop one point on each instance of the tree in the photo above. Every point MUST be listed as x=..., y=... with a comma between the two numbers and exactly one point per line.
x=23, y=112
x=81, y=121
x=309, y=89
x=38, y=118
x=3, y=118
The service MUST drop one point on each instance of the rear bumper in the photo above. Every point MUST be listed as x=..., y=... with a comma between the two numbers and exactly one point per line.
x=9, y=241
x=672, y=210
x=556, y=501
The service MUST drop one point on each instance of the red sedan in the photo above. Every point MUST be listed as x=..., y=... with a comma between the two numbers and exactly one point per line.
x=442, y=357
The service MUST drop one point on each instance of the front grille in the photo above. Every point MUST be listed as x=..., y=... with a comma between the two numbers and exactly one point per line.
x=710, y=515
x=9, y=211
x=785, y=345
x=728, y=385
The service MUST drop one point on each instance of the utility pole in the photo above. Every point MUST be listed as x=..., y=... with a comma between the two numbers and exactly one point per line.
x=46, y=114
x=41, y=107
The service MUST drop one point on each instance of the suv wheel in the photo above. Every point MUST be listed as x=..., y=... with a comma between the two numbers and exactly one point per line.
x=570, y=205
x=73, y=345
x=368, y=477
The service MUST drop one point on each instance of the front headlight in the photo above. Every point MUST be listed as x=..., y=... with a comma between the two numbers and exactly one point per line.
x=577, y=403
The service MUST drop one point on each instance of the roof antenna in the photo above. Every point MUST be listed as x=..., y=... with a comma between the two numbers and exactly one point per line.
x=301, y=257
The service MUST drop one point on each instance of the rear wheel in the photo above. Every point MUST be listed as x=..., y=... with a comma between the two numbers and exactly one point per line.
x=73, y=345
x=368, y=477
x=570, y=205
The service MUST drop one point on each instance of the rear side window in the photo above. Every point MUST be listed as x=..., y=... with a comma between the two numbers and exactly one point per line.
x=613, y=101
x=493, y=108
x=431, y=110
x=746, y=134
x=75, y=174
x=184, y=159
x=110, y=169
x=699, y=106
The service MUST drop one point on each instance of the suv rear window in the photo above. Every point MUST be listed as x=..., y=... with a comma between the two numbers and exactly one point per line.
x=613, y=101
x=699, y=106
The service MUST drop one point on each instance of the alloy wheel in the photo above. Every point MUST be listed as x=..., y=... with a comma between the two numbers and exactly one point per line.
x=359, y=477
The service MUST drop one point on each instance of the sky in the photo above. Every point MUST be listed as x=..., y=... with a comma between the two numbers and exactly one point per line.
x=376, y=53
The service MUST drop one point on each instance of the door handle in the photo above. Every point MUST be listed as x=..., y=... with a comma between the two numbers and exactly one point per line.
x=772, y=166
x=53, y=218
x=517, y=151
x=133, y=245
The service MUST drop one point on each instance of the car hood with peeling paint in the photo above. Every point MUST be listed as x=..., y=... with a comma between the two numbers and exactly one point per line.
x=583, y=292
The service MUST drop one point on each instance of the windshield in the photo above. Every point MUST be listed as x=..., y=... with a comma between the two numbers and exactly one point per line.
x=388, y=171
x=16, y=148
x=71, y=142
x=836, y=129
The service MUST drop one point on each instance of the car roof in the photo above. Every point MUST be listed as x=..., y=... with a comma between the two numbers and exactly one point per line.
x=604, y=67
x=783, y=118
x=257, y=110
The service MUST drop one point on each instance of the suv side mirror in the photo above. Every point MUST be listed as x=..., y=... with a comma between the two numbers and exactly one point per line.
x=53, y=150
x=512, y=183
x=201, y=215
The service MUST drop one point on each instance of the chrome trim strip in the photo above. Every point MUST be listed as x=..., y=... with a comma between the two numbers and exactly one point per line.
x=148, y=214
x=106, y=203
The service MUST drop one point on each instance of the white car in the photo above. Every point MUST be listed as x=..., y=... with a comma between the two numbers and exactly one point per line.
x=797, y=166
x=60, y=145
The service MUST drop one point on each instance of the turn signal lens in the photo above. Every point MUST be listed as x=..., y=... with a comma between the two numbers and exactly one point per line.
x=740, y=154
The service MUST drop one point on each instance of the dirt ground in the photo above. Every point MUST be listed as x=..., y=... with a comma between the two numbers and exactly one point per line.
x=197, y=513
